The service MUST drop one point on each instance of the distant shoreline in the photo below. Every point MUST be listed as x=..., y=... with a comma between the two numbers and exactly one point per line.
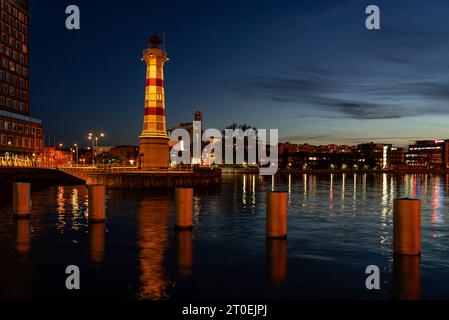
x=225, y=170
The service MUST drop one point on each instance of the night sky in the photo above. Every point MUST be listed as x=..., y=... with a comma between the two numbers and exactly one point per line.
x=309, y=68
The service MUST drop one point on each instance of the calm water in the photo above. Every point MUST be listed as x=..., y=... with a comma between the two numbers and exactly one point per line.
x=338, y=225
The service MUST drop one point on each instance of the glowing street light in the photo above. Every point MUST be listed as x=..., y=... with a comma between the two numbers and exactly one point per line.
x=94, y=138
x=76, y=153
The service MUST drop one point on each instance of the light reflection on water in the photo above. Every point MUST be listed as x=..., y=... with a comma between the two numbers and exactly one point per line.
x=338, y=225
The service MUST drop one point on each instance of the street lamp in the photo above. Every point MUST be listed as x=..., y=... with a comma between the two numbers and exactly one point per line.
x=94, y=138
x=76, y=153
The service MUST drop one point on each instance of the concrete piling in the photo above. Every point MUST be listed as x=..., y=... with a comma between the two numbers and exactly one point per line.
x=22, y=200
x=277, y=215
x=184, y=208
x=407, y=226
x=97, y=203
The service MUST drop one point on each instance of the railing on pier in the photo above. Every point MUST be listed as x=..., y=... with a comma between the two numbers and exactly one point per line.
x=25, y=163
x=117, y=169
x=9, y=162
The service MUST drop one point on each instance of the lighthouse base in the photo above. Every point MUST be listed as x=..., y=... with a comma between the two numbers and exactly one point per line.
x=154, y=153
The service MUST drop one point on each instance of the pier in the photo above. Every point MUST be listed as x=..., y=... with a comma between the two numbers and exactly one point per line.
x=114, y=177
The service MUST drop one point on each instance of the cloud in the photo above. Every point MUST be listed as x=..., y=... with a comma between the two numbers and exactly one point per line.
x=351, y=95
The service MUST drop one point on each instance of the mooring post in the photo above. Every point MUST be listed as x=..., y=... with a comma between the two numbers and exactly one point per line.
x=407, y=226
x=21, y=200
x=97, y=203
x=184, y=207
x=277, y=215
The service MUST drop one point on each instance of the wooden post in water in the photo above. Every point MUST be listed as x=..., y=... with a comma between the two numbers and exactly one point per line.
x=21, y=200
x=277, y=215
x=97, y=203
x=407, y=226
x=184, y=208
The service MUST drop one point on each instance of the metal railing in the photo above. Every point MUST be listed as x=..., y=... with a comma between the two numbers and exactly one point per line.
x=114, y=169
x=33, y=163
x=25, y=163
x=18, y=162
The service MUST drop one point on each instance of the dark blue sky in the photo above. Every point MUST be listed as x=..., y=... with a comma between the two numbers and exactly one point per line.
x=308, y=68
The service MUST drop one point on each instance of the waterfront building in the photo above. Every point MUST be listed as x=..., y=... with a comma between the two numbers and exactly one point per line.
x=430, y=154
x=397, y=157
x=375, y=155
x=20, y=134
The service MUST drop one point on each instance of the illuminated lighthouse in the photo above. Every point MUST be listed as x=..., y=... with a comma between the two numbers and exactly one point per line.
x=154, y=151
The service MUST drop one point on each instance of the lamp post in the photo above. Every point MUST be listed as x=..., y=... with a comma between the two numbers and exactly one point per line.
x=94, y=139
x=76, y=153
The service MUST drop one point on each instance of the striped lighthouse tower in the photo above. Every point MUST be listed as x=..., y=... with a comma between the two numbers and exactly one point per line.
x=154, y=150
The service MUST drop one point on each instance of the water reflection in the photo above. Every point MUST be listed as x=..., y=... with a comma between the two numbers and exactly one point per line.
x=276, y=257
x=249, y=191
x=406, y=277
x=354, y=194
x=289, y=189
x=75, y=209
x=304, y=181
x=23, y=235
x=437, y=200
x=61, y=210
x=153, y=236
x=97, y=241
x=364, y=187
x=184, y=252
x=141, y=252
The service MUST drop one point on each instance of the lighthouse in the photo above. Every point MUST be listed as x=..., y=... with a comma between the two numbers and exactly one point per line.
x=154, y=150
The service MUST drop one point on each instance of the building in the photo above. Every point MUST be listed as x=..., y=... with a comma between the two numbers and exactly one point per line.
x=102, y=149
x=397, y=157
x=154, y=142
x=58, y=157
x=126, y=154
x=430, y=154
x=20, y=134
x=188, y=126
x=375, y=155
